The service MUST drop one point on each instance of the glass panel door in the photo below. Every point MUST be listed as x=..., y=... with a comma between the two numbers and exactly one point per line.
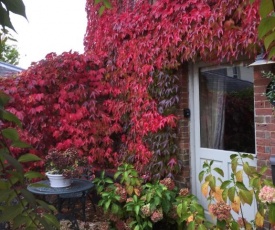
x=227, y=108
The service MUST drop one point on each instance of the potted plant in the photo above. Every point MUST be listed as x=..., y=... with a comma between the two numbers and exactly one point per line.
x=61, y=166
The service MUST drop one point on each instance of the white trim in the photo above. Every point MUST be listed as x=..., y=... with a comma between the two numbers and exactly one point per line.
x=192, y=156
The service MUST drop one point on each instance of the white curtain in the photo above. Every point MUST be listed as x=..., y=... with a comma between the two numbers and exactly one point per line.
x=212, y=110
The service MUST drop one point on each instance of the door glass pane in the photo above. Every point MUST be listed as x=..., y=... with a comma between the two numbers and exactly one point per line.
x=227, y=108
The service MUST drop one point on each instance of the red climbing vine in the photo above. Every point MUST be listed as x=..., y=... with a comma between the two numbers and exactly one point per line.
x=115, y=101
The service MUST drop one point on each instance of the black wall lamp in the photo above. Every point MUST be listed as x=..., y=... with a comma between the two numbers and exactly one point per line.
x=186, y=113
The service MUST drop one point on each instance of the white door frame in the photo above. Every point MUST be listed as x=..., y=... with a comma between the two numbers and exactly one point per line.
x=193, y=72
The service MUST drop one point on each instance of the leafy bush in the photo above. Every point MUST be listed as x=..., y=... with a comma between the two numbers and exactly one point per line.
x=225, y=196
x=133, y=204
x=18, y=207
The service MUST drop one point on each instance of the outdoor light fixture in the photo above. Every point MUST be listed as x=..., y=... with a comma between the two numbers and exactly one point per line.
x=260, y=60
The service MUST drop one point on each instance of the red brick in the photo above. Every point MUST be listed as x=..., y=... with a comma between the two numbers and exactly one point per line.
x=263, y=156
x=260, y=89
x=261, y=81
x=260, y=97
x=260, y=134
x=263, y=111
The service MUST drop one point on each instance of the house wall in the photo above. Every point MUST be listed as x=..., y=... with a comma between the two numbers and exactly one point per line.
x=264, y=123
x=264, y=119
x=183, y=178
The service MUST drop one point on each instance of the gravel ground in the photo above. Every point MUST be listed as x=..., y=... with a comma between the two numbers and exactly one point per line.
x=95, y=218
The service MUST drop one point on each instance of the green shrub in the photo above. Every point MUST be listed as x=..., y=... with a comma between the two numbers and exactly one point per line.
x=18, y=207
x=133, y=204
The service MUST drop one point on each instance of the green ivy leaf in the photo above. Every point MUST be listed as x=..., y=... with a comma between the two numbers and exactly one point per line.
x=221, y=224
x=225, y=184
x=212, y=183
x=19, y=221
x=271, y=52
x=233, y=156
x=247, y=169
x=4, y=185
x=234, y=226
x=234, y=164
x=28, y=158
x=15, y=6
x=33, y=175
x=137, y=208
x=29, y=197
x=107, y=4
x=202, y=227
x=219, y=171
x=231, y=193
x=266, y=24
x=191, y=226
x=20, y=144
x=225, y=194
x=109, y=180
x=246, y=196
x=5, y=18
x=201, y=175
x=249, y=156
x=101, y=10
x=115, y=208
x=10, y=134
x=51, y=219
x=266, y=7
x=241, y=185
x=13, y=162
x=10, y=212
x=10, y=117
x=4, y=99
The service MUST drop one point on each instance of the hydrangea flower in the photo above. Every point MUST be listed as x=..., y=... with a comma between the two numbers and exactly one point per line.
x=157, y=215
x=168, y=182
x=267, y=194
x=221, y=210
x=146, y=210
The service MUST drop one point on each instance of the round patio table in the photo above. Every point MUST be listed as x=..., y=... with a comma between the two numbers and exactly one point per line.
x=44, y=188
x=78, y=190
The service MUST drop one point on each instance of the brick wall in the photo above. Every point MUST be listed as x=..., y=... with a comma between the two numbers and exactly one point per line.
x=264, y=119
x=184, y=129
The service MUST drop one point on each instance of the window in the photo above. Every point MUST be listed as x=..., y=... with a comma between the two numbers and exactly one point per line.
x=227, y=108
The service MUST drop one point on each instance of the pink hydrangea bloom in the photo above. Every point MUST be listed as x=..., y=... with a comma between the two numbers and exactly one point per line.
x=157, y=215
x=221, y=210
x=267, y=194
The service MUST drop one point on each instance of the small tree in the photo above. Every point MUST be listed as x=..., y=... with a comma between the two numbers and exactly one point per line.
x=8, y=53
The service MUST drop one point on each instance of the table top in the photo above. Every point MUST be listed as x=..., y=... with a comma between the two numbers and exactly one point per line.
x=77, y=185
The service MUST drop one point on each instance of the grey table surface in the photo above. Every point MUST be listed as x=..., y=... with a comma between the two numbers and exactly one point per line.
x=44, y=188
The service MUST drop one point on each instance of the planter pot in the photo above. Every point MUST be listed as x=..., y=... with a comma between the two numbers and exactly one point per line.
x=58, y=180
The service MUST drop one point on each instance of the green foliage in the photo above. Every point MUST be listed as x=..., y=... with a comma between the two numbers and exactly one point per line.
x=267, y=25
x=8, y=52
x=104, y=4
x=232, y=194
x=139, y=205
x=270, y=93
x=8, y=6
x=18, y=207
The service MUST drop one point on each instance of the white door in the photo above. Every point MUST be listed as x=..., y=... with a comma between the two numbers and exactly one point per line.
x=222, y=121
